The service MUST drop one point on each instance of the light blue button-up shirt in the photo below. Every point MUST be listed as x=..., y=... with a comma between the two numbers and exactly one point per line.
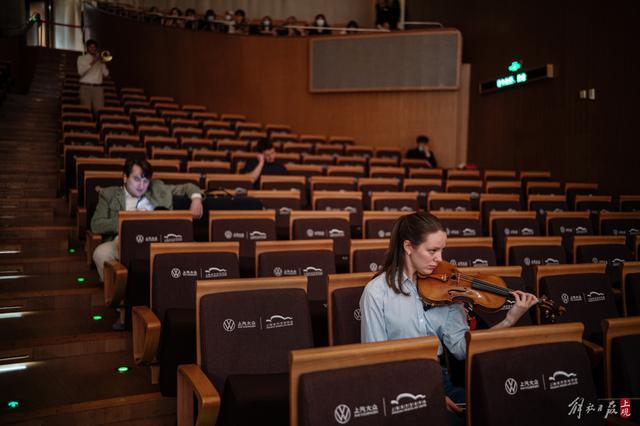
x=387, y=315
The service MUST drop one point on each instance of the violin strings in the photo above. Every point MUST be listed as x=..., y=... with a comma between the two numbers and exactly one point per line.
x=484, y=285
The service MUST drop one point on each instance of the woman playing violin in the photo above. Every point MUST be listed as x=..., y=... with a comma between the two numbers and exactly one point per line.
x=392, y=308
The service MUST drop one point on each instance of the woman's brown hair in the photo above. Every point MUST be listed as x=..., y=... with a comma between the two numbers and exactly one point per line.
x=414, y=228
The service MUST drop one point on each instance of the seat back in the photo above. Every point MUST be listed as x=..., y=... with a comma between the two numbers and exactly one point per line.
x=532, y=251
x=379, y=224
x=248, y=326
x=470, y=252
x=138, y=229
x=175, y=268
x=245, y=226
x=367, y=255
x=610, y=250
x=393, y=383
x=457, y=202
x=504, y=224
x=369, y=185
x=585, y=292
x=70, y=153
x=460, y=224
x=394, y=201
x=621, y=346
x=423, y=187
x=343, y=306
x=338, y=200
x=313, y=259
x=313, y=225
x=84, y=165
x=283, y=202
x=511, y=373
x=227, y=181
x=286, y=183
x=631, y=288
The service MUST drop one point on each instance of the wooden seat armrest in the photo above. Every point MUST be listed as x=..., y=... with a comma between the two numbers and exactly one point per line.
x=90, y=243
x=146, y=334
x=73, y=201
x=81, y=221
x=115, y=283
x=192, y=380
x=595, y=352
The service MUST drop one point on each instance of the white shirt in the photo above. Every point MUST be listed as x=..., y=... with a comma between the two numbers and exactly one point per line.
x=91, y=74
x=387, y=315
x=133, y=203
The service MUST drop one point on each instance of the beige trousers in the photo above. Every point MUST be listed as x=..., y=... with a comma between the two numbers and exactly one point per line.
x=106, y=252
x=92, y=96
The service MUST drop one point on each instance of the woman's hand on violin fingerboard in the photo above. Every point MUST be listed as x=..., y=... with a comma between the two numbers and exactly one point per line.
x=524, y=302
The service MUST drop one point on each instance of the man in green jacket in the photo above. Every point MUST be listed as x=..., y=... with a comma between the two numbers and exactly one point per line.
x=138, y=192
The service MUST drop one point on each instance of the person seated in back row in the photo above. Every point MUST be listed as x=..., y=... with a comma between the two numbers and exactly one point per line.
x=422, y=151
x=265, y=164
x=138, y=192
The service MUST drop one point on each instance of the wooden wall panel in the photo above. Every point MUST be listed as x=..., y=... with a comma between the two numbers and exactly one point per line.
x=544, y=125
x=267, y=79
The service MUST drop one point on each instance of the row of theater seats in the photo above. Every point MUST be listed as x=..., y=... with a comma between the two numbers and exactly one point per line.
x=178, y=315
x=246, y=344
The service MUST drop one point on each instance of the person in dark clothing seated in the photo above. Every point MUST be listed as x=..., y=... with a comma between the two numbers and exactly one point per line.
x=422, y=151
x=265, y=163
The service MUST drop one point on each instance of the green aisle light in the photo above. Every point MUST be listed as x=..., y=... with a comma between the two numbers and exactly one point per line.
x=72, y=250
x=96, y=317
x=515, y=66
x=122, y=369
x=80, y=280
x=13, y=404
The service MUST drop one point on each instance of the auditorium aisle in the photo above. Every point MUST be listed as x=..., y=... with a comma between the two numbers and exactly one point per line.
x=60, y=362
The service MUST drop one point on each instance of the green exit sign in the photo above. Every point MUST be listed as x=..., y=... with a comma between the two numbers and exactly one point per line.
x=517, y=79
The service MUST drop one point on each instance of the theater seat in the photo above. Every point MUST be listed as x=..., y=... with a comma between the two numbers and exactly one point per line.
x=584, y=290
x=528, y=376
x=470, y=252
x=126, y=282
x=367, y=255
x=343, y=306
x=631, y=288
x=170, y=317
x=622, y=371
x=245, y=330
x=392, y=383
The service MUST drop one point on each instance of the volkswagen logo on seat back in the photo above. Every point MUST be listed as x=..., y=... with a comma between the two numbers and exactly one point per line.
x=229, y=325
x=342, y=413
x=511, y=386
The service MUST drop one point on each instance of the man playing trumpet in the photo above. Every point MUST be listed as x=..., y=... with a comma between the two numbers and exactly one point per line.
x=92, y=70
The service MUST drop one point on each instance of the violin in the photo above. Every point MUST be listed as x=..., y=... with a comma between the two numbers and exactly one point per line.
x=446, y=284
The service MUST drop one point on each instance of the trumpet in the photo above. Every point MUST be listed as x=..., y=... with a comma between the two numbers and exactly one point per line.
x=105, y=56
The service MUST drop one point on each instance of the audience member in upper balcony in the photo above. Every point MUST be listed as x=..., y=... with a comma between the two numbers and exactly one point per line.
x=190, y=22
x=266, y=162
x=320, y=22
x=349, y=29
x=422, y=151
x=138, y=192
x=172, y=19
x=239, y=25
x=290, y=32
x=153, y=15
x=92, y=70
x=266, y=26
x=208, y=22
x=387, y=14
